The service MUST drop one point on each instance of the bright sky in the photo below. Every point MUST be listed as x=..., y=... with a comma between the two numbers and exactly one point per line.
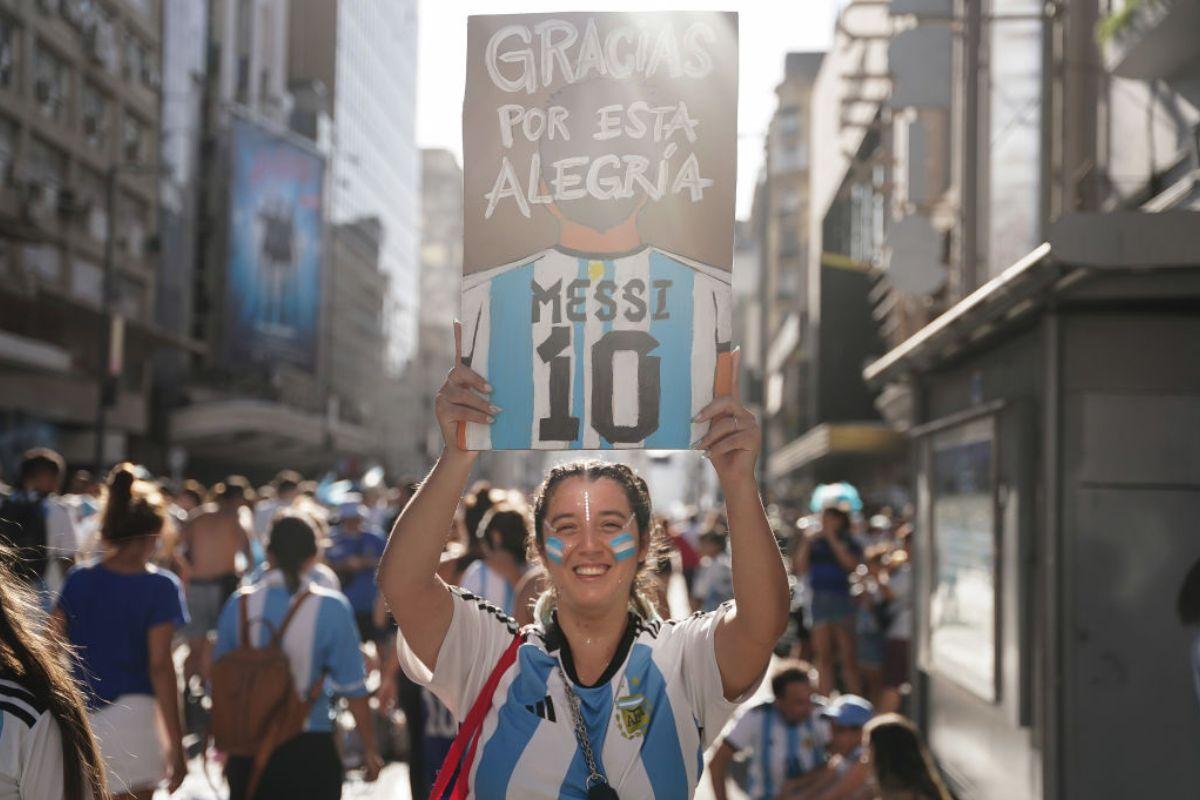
x=767, y=30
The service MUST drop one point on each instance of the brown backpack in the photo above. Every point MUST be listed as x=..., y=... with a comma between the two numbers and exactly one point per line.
x=255, y=707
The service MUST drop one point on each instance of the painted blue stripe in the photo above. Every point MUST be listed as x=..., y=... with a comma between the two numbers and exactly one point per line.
x=510, y=359
x=596, y=707
x=662, y=752
x=578, y=384
x=674, y=335
x=768, y=784
x=515, y=725
x=610, y=272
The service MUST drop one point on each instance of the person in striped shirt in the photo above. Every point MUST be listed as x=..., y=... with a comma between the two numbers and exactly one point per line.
x=603, y=698
x=780, y=740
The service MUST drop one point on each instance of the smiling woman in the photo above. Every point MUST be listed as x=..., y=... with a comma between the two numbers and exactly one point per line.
x=599, y=697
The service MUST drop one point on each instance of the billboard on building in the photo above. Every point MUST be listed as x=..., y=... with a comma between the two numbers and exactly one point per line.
x=276, y=244
x=599, y=176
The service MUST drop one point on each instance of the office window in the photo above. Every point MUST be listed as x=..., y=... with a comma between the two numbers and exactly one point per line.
x=49, y=83
x=962, y=605
x=8, y=53
x=93, y=112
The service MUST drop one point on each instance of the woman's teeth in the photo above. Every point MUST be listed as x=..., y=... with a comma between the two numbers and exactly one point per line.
x=591, y=570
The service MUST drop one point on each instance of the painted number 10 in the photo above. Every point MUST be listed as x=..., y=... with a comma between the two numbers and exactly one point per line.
x=560, y=426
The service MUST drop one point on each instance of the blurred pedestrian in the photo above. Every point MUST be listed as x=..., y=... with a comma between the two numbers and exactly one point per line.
x=353, y=554
x=829, y=556
x=713, y=584
x=285, y=488
x=845, y=776
x=46, y=745
x=43, y=533
x=896, y=587
x=780, y=740
x=901, y=767
x=503, y=532
x=321, y=644
x=212, y=539
x=121, y=613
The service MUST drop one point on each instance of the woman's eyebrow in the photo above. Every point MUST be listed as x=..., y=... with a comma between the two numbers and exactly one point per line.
x=613, y=512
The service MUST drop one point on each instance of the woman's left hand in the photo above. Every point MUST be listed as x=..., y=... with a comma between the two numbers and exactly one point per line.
x=734, y=439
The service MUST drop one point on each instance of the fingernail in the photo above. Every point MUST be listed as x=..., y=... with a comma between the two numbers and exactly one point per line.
x=495, y=409
x=696, y=418
x=487, y=387
x=491, y=419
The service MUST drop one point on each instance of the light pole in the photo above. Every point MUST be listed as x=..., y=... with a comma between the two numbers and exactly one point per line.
x=110, y=329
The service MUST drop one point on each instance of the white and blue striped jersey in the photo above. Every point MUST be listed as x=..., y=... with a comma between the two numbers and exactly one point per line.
x=777, y=750
x=481, y=580
x=649, y=717
x=321, y=640
x=587, y=353
x=31, y=761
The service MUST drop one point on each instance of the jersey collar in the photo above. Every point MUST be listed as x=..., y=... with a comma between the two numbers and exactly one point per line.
x=556, y=640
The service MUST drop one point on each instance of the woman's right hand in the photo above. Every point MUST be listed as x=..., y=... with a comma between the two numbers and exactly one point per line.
x=461, y=398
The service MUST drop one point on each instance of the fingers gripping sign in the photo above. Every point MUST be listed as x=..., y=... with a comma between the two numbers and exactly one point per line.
x=734, y=438
x=461, y=399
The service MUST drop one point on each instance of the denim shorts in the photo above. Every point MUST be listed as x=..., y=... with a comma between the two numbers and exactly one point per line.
x=830, y=606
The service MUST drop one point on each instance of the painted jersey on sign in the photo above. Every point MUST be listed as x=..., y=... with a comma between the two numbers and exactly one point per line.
x=589, y=354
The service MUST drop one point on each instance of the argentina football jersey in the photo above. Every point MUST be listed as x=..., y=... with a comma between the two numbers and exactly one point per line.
x=650, y=715
x=595, y=353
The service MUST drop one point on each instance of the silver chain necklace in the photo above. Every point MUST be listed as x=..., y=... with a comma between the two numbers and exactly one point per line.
x=596, y=784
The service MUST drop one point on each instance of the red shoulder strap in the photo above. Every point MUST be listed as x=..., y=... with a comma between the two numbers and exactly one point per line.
x=468, y=734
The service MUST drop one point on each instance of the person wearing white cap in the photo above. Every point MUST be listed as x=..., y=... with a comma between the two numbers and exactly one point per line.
x=354, y=553
x=845, y=775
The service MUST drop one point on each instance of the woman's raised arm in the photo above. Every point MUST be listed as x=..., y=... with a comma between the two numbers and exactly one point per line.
x=407, y=571
x=748, y=634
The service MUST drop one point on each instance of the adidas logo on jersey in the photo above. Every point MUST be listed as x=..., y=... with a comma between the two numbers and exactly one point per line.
x=543, y=709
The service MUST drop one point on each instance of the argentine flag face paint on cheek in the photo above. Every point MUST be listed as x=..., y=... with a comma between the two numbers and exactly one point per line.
x=555, y=549
x=623, y=546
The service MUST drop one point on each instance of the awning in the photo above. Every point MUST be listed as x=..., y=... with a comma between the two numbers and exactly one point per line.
x=836, y=439
x=1080, y=245
x=266, y=433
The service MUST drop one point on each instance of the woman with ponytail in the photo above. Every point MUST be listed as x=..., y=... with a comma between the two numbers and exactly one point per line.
x=121, y=614
x=46, y=744
x=319, y=635
x=599, y=697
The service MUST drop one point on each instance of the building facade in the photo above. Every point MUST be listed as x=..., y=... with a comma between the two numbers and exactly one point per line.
x=80, y=94
x=1051, y=392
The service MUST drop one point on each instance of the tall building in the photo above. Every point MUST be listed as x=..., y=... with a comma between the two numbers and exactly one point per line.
x=80, y=95
x=781, y=218
x=364, y=55
x=356, y=289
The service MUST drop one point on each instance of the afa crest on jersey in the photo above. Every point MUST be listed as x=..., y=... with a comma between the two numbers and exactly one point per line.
x=633, y=715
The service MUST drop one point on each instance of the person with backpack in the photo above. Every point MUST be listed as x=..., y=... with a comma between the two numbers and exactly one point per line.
x=46, y=745
x=599, y=697
x=285, y=647
x=121, y=614
x=43, y=533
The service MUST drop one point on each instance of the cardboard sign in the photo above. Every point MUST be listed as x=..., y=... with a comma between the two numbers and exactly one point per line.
x=599, y=177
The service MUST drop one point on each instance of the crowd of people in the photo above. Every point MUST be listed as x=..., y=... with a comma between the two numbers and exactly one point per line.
x=149, y=591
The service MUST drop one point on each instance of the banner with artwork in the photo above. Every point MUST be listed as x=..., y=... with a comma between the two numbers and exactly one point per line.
x=599, y=176
x=276, y=233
